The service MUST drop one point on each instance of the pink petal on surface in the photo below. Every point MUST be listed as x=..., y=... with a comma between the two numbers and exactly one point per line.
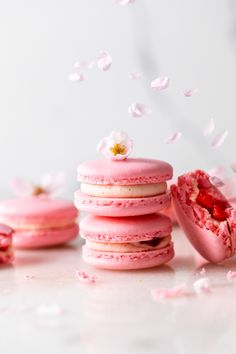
x=124, y=2
x=84, y=64
x=138, y=110
x=209, y=128
x=160, y=83
x=231, y=275
x=135, y=75
x=219, y=139
x=190, y=92
x=173, y=138
x=216, y=181
x=86, y=278
x=176, y=291
x=233, y=167
x=21, y=188
x=76, y=77
x=104, y=61
x=202, y=286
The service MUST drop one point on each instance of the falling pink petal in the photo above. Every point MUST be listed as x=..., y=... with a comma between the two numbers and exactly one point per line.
x=104, y=61
x=219, y=139
x=202, y=286
x=84, y=64
x=138, y=110
x=124, y=2
x=173, y=138
x=216, y=181
x=231, y=275
x=176, y=291
x=190, y=92
x=86, y=278
x=76, y=77
x=209, y=128
x=202, y=271
x=160, y=83
x=135, y=75
x=233, y=167
x=21, y=188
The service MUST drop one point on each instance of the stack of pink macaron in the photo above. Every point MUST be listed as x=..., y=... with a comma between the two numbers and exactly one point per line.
x=124, y=229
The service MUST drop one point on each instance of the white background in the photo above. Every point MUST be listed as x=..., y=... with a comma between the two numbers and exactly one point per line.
x=48, y=123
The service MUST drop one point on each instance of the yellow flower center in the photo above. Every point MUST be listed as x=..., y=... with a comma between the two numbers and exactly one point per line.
x=37, y=190
x=118, y=149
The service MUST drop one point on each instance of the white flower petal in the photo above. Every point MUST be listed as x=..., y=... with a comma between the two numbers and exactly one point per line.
x=52, y=183
x=107, y=145
x=160, y=83
x=138, y=110
x=209, y=128
x=219, y=139
x=231, y=275
x=173, y=138
x=104, y=61
x=76, y=77
x=202, y=286
x=20, y=187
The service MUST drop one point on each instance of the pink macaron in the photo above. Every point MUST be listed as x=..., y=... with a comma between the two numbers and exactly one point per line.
x=39, y=221
x=6, y=252
x=124, y=243
x=135, y=186
x=205, y=215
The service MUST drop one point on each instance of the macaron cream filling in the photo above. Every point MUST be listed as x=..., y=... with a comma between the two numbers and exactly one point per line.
x=148, y=245
x=122, y=191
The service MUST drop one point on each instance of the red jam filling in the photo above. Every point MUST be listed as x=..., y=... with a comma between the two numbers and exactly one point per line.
x=3, y=248
x=153, y=242
x=216, y=207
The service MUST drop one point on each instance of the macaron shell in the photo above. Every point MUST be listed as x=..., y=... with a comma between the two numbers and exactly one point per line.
x=116, y=207
x=131, y=171
x=28, y=239
x=212, y=247
x=128, y=261
x=125, y=229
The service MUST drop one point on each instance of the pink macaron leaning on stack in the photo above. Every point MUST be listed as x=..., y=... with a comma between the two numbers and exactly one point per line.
x=6, y=251
x=124, y=243
x=39, y=221
x=205, y=215
x=134, y=186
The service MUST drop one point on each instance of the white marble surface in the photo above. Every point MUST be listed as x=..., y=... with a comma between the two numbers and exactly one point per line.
x=117, y=314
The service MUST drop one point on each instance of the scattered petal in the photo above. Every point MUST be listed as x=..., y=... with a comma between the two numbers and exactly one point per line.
x=173, y=138
x=219, y=139
x=135, y=75
x=86, y=278
x=49, y=310
x=233, y=167
x=202, y=286
x=117, y=146
x=176, y=291
x=84, y=64
x=76, y=77
x=104, y=61
x=160, y=83
x=138, y=110
x=124, y=2
x=20, y=187
x=202, y=271
x=209, y=128
x=190, y=92
x=216, y=181
x=231, y=275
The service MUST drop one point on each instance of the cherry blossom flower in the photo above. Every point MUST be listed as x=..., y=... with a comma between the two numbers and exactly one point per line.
x=138, y=110
x=160, y=83
x=117, y=146
x=209, y=128
x=50, y=185
x=173, y=138
x=86, y=278
x=104, y=61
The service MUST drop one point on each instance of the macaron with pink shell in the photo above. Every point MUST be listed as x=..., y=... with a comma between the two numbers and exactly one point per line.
x=125, y=243
x=6, y=250
x=39, y=221
x=205, y=215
